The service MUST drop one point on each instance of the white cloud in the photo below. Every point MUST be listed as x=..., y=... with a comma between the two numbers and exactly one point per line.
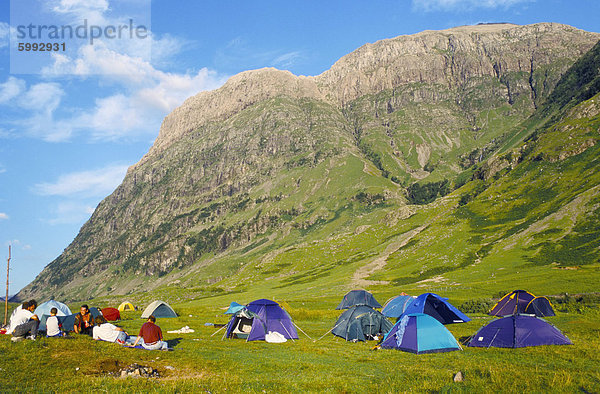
x=166, y=47
x=287, y=59
x=71, y=212
x=142, y=94
x=463, y=5
x=149, y=94
x=84, y=184
x=81, y=8
x=3, y=216
x=238, y=51
x=79, y=192
x=10, y=89
x=33, y=109
x=19, y=244
x=4, y=34
x=43, y=96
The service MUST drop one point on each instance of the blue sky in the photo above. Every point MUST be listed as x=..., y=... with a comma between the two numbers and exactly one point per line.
x=69, y=132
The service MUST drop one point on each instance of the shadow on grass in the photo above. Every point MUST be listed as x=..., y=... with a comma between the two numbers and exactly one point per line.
x=174, y=342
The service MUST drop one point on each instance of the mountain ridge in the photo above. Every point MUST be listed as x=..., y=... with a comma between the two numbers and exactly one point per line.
x=276, y=165
x=243, y=85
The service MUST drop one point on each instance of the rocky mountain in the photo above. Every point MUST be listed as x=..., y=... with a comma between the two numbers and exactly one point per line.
x=339, y=179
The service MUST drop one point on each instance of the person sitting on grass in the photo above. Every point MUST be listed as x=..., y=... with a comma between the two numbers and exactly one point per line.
x=25, y=323
x=150, y=336
x=53, y=325
x=84, y=321
x=105, y=331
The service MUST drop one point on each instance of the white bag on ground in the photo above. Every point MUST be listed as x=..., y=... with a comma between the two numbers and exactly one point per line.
x=275, y=337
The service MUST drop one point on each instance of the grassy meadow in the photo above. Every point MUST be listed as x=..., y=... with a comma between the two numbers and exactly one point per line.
x=203, y=362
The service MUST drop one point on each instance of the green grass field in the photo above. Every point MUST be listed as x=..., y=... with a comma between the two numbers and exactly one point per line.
x=202, y=362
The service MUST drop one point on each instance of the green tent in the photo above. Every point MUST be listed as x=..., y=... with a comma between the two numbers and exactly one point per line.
x=158, y=309
x=360, y=323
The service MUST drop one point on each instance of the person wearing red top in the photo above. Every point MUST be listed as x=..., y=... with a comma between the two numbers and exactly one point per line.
x=151, y=336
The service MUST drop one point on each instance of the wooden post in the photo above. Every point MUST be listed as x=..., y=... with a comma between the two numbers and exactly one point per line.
x=6, y=299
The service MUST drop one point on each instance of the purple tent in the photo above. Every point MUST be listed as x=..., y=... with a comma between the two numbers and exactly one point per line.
x=262, y=316
x=512, y=303
x=518, y=331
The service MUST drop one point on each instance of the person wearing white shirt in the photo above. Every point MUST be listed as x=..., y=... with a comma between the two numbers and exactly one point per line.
x=24, y=322
x=110, y=333
x=53, y=325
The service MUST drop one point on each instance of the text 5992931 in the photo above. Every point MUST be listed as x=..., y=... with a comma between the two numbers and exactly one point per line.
x=41, y=47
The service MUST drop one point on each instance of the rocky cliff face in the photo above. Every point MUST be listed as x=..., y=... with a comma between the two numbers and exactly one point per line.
x=270, y=160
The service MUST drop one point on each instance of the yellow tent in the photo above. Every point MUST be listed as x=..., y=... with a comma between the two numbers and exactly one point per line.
x=126, y=306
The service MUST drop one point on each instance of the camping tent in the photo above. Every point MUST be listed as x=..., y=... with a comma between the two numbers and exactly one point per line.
x=540, y=306
x=111, y=314
x=396, y=306
x=258, y=318
x=158, y=309
x=358, y=297
x=361, y=322
x=518, y=331
x=438, y=307
x=43, y=312
x=44, y=308
x=126, y=306
x=512, y=303
x=419, y=333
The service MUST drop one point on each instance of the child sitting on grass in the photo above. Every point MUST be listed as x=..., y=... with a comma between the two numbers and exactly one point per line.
x=53, y=325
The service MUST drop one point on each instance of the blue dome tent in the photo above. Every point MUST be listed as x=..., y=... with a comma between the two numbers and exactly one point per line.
x=437, y=307
x=419, y=333
x=396, y=306
x=43, y=312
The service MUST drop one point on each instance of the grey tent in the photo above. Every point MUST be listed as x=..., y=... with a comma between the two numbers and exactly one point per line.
x=360, y=323
x=358, y=297
x=158, y=309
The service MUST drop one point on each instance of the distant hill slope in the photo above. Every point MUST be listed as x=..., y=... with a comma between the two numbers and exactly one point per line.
x=334, y=181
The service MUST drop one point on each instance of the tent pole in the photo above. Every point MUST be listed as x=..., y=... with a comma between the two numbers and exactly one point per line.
x=334, y=327
x=6, y=299
x=492, y=341
x=219, y=330
x=302, y=331
x=288, y=332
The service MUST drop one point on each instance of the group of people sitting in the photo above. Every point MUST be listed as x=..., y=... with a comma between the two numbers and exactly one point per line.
x=25, y=324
